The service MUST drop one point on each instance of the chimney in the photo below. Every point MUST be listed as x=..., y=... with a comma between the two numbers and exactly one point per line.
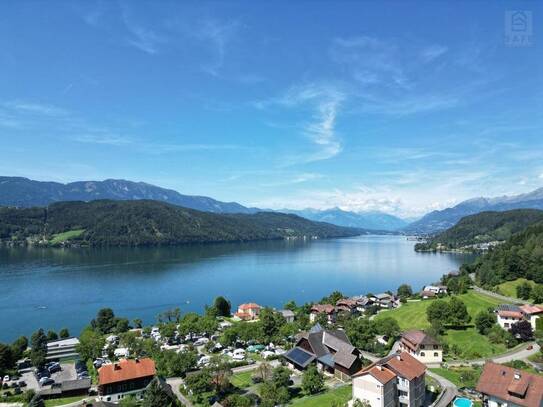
x=517, y=375
x=380, y=367
x=116, y=366
x=137, y=360
x=399, y=357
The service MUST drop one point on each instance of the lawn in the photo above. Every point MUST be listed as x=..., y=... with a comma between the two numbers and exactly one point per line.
x=412, y=315
x=341, y=394
x=62, y=237
x=242, y=380
x=63, y=401
x=460, y=376
x=509, y=288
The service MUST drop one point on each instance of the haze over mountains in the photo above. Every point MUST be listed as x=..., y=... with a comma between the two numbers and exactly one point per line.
x=23, y=192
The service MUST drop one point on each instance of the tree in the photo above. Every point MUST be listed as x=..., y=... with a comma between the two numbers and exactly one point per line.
x=405, y=291
x=199, y=383
x=484, y=321
x=312, y=381
x=291, y=305
x=121, y=325
x=37, y=401
x=537, y=293
x=223, y=306
x=129, y=401
x=522, y=330
x=52, y=335
x=104, y=321
x=333, y=298
x=271, y=322
x=19, y=346
x=263, y=372
x=458, y=312
x=90, y=344
x=388, y=326
x=362, y=333
x=7, y=360
x=155, y=395
x=438, y=312
x=281, y=376
x=236, y=400
x=272, y=395
x=38, y=345
x=64, y=333
x=524, y=290
x=138, y=323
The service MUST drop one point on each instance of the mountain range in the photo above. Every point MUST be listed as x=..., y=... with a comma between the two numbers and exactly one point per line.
x=437, y=221
x=367, y=220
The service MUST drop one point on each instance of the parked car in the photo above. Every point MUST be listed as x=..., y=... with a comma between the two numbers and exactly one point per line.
x=54, y=368
x=22, y=383
x=6, y=378
x=17, y=390
x=239, y=354
x=44, y=381
x=204, y=360
x=42, y=373
x=201, y=341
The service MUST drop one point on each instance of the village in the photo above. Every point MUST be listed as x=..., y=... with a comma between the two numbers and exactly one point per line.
x=356, y=351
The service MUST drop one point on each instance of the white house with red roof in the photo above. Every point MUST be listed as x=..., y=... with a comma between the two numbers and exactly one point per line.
x=248, y=312
x=531, y=313
x=511, y=314
x=126, y=377
x=422, y=346
x=397, y=380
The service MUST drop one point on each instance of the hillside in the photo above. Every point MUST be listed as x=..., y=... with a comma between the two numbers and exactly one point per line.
x=483, y=227
x=521, y=256
x=437, y=221
x=25, y=193
x=136, y=223
x=378, y=221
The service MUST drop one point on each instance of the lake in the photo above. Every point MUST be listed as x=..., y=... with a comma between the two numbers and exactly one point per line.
x=56, y=288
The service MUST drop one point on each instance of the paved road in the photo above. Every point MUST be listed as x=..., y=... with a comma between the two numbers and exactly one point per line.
x=521, y=353
x=175, y=382
x=448, y=390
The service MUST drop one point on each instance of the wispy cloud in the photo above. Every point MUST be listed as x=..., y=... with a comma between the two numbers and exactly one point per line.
x=432, y=52
x=159, y=148
x=103, y=138
x=294, y=179
x=36, y=108
x=143, y=38
x=218, y=35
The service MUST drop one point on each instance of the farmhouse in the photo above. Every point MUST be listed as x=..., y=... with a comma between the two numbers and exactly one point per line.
x=248, y=312
x=421, y=346
x=327, y=309
x=331, y=351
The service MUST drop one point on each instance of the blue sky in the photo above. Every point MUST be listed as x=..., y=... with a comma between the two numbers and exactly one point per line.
x=402, y=107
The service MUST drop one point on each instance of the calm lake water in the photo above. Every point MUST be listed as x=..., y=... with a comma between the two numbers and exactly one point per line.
x=56, y=288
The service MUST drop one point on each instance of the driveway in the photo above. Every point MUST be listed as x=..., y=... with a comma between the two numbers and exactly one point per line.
x=175, y=382
x=448, y=390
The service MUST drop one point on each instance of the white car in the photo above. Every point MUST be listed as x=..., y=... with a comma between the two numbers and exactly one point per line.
x=267, y=354
x=201, y=341
x=6, y=379
x=239, y=354
x=204, y=360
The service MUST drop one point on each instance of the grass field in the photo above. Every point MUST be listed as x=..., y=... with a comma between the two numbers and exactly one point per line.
x=461, y=376
x=62, y=237
x=62, y=401
x=412, y=315
x=509, y=288
x=340, y=395
x=242, y=380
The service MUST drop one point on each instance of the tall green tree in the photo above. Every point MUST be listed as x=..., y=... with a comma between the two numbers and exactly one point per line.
x=524, y=290
x=90, y=344
x=484, y=321
x=458, y=312
x=405, y=291
x=38, y=345
x=7, y=360
x=223, y=306
x=64, y=333
x=155, y=395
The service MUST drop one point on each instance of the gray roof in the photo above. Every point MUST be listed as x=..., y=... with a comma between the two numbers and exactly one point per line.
x=508, y=307
x=287, y=313
x=70, y=385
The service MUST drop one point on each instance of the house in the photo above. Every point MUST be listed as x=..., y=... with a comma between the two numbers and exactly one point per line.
x=531, y=313
x=128, y=376
x=397, y=380
x=385, y=300
x=327, y=309
x=363, y=303
x=348, y=305
x=288, y=315
x=331, y=351
x=62, y=348
x=508, y=315
x=248, y=312
x=427, y=294
x=421, y=346
x=436, y=289
x=503, y=386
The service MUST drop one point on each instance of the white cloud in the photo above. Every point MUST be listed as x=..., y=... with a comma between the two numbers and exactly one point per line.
x=142, y=38
x=433, y=52
x=36, y=108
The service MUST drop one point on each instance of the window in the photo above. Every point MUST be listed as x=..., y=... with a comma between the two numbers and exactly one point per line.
x=435, y=346
x=436, y=354
x=422, y=346
x=422, y=354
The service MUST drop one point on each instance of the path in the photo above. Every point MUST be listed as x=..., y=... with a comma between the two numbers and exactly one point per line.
x=175, y=382
x=448, y=390
x=520, y=353
x=501, y=297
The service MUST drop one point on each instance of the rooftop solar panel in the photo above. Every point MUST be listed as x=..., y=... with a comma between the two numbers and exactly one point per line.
x=299, y=356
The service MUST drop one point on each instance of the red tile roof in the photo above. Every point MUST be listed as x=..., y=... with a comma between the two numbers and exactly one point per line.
x=324, y=308
x=510, y=314
x=529, y=309
x=380, y=373
x=249, y=306
x=126, y=369
x=400, y=364
x=511, y=385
